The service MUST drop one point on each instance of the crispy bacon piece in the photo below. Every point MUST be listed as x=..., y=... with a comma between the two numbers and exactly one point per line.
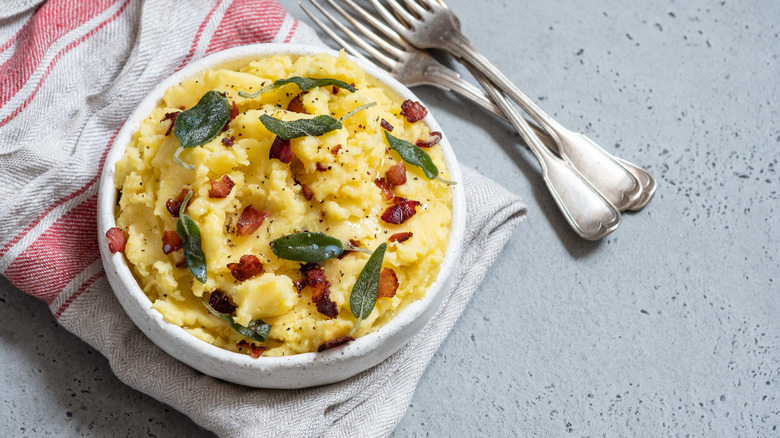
x=385, y=187
x=299, y=284
x=434, y=139
x=249, y=266
x=401, y=210
x=321, y=167
x=221, y=188
x=221, y=303
x=233, y=114
x=385, y=124
x=388, y=283
x=335, y=149
x=250, y=220
x=334, y=343
x=307, y=192
x=255, y=351
x=400, y=237
x=281, y=150
x=413, y=111
x=320, y=295
x=396, y=175
x=229, y=141
x=296, y=105
x=171, y=241
x=116, y=240
x=172, y=117
x=335, y=90
x=174, y=204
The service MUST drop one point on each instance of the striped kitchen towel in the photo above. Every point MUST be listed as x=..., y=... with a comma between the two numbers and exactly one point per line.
x=71, y=71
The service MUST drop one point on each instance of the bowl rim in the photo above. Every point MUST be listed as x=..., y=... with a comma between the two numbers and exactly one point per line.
x=360, y=346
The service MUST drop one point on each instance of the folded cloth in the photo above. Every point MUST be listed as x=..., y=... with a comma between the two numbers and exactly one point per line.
x=70, y=73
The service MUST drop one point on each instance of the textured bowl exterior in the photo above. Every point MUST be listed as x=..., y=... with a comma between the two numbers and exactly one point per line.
x=297, y=371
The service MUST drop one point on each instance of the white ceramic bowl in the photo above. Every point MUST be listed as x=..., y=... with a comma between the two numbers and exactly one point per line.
x=297, y=371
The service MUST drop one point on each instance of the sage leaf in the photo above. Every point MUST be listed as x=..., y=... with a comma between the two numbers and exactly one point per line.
x=201, y=123
x=300, y=128
x=413, y=155
x=307, y=247
x=188, y=232
x=256, y=331
x=360, y=108
x=305, y=84
x=363, y=296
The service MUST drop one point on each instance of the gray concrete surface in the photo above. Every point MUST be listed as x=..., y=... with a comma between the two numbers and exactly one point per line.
x=668, y=327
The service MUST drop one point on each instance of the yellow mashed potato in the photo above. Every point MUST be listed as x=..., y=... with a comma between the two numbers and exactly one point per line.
x=345, y=204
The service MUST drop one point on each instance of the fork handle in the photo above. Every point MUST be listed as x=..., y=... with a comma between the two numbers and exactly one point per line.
x=446, y=78
x=586, y=210
x=613, y=179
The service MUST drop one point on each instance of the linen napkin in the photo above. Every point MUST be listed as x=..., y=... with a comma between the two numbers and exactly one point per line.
x=70, y=73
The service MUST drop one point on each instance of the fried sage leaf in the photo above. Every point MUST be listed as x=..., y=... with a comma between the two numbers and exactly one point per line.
x=189, y=234
x=416, y=157
x=305, y=84
x=256, y=331
x=363, y=296
x=201, y=123
x=307, y=247
x=287, y=130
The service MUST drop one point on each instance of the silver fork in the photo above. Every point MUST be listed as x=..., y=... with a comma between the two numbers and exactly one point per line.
x=587, y=211
x=427, y=24
x=413, y=67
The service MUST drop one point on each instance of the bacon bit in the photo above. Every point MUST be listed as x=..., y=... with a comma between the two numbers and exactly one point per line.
x=116, y=240
x=334, y=343
x=221, y=188
x=296, y=105
x=335, y=150
x=174, y=204
x=229, y=141
x=396, y=175
x=221, y=303
x=315, y=279
x=299, y=284
x=385, y=124
x=249, y=266
x=255, y=351
x=233, y=114
x=307, y=192
x=335, y=90
x=413, y=111
x=434, y=139
x=388, y=283
x=171, y=241
x=172, y=117
x=382, y=184
x=250, y=220
x=281, y=150
x=401, y=210
x=321, y=167
x=401, y=237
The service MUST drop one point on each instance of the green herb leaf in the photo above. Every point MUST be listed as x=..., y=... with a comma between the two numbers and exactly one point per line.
x=307, y=247
x=360, y=108
x=189, y=233
x=305, y=84
x=256, y=331
x=363, y=296
x=413, y=155
x=300, y=128
x=201, y=123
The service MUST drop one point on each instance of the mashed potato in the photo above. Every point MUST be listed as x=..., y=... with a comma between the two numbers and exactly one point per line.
x=328, y=187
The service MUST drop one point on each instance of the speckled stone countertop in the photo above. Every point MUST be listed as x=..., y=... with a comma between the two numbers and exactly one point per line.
x=668, y=327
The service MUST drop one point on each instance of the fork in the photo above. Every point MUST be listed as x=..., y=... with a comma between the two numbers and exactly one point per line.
x=586, y=210
x=428, y=24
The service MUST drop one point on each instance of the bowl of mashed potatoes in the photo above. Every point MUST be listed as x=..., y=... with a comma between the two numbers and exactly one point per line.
x=280, y=216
